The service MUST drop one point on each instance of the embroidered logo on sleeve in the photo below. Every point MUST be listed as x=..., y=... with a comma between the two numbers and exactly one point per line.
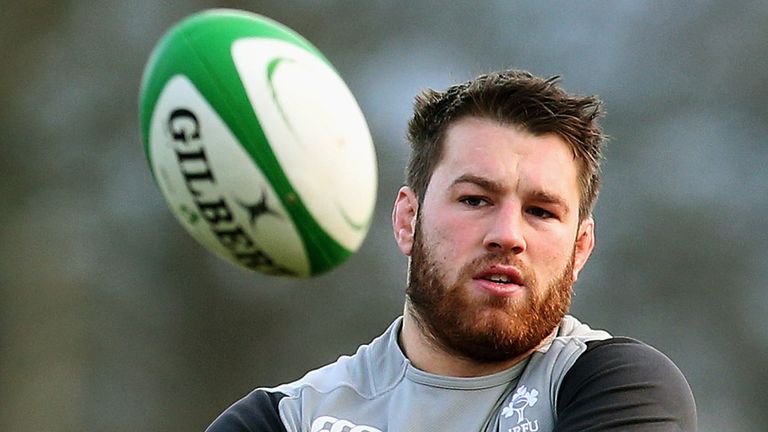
x=332, y=424
x=521, y=400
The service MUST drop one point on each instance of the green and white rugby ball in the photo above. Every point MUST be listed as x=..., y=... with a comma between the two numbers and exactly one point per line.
x=257, y=144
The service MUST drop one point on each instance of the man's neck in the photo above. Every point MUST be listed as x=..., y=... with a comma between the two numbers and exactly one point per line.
x=425, y=354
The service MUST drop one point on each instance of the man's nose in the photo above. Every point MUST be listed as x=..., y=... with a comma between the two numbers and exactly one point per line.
x=505, y=233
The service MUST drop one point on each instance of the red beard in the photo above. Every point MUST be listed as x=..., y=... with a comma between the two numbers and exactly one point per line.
x=491, y=330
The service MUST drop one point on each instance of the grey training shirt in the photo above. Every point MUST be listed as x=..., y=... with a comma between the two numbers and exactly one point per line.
x=581, y=380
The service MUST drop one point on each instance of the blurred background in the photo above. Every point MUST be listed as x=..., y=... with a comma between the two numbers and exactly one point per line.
x=112, y=318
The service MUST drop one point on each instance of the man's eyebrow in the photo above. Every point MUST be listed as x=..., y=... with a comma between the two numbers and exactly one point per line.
x=540, y=195
x=487, y=184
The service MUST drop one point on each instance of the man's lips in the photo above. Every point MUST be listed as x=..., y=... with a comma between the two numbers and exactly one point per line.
x=500, y=280
x=501, y=274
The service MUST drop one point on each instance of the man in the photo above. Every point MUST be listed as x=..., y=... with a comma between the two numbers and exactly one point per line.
x=497, y=221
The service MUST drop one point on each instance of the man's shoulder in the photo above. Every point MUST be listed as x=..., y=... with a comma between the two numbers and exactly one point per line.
x=270, y=409
x=622, y=357
x=624, y=375
x=258, y=411
x=372, y=370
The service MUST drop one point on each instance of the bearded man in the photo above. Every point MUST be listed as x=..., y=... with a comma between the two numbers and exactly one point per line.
x=496, y=219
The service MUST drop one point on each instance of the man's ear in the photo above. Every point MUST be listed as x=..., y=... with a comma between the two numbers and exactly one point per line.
x=404, y=218
x=585, y=243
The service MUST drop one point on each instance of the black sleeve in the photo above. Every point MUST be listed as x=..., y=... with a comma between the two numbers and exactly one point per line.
x=621, y=384
x=257, y=412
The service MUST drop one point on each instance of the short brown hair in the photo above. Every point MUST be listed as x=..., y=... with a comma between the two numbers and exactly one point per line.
x=513, y=97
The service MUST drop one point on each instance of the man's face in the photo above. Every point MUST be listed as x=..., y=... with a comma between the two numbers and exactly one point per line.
x=497, y=243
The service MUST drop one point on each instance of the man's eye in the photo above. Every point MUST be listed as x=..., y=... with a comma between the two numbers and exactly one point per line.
x=473, y=201
x=540, y=213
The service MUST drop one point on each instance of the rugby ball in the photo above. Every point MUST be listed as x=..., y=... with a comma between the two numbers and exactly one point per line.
x=257, y=145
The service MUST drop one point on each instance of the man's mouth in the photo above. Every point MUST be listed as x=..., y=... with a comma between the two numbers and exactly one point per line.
x=499, y=278
x=501, y=275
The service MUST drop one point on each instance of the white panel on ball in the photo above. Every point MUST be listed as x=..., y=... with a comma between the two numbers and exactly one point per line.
x=325, y=147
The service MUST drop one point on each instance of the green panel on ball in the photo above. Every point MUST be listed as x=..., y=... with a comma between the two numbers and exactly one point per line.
x=200, y=48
